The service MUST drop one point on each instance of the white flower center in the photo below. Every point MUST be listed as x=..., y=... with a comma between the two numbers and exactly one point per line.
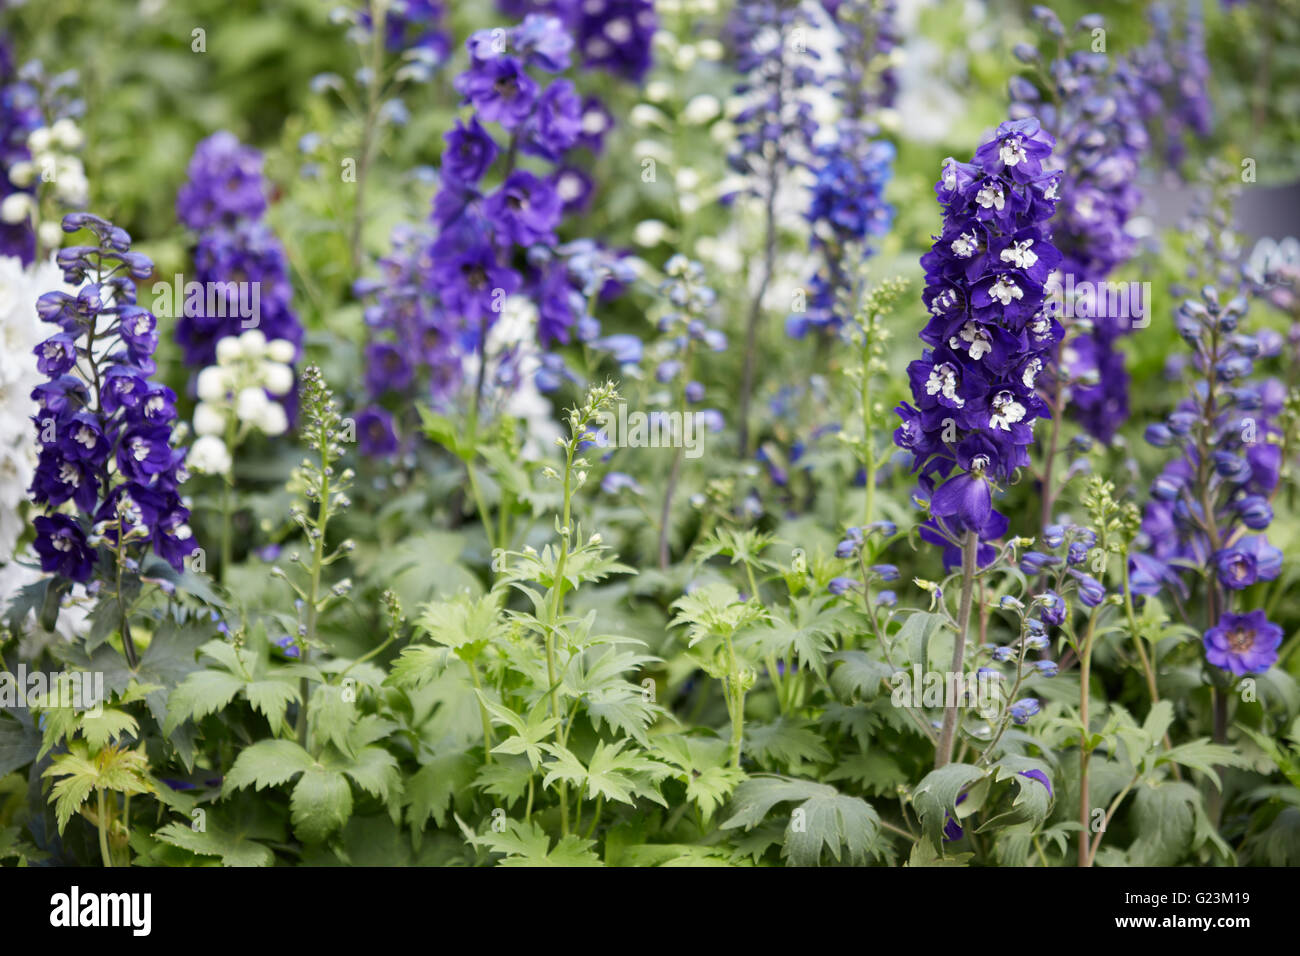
x=990, y=196
x=1004, y=290
x=978, y=342
x=1020, y=255
x=86, y=437
x=944, y=301
x=965, y=246
x=943, y=381
x=1012, y=152
x=1030, y=375
x=1006, y=411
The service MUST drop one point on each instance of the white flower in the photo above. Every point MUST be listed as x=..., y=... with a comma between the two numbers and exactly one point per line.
x=280, y=350
x=658, y=91
x=1004, y=290
x=965, y=246
x=650, y=232
x=229, y=350
x=701, y=109
x=990, y=196
x=644, y=115
x=250, y=404
x=1020, y=255
x=16, y=208
x=208, y=419
x=253, y=343
x=22, y=173
x=213, y=383
x=272, y=421
x=943, y=381
x=1006, y=411
x=1012, y=151
x=277, y=378
x=209, y=456
x=40, y=140
x=977, y=340
x=50, y=233
x=66, y=134
x=1030, y=374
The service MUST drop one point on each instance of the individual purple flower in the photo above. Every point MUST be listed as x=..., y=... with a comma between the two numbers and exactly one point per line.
x=62, y=547
x=556, y=125
x=376, y=436
x=224, y=184
x=525, y=208
x=1023, y=709
x=470, y=152
x=500, y=90
x=1243, y=643
x=544, y=42
x=56, y=355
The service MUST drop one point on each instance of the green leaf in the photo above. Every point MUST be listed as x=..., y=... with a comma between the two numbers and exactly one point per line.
x=859, y=675
x=833, y=822
x=267, y=763
x=824, y=819
x=935, y=797
x=1164, y=819
x=375, y=771
x=109, y=725
x=331, y=718
x=466, y=621
x=805, y=631
x=1203, y=756
x=786, y=741
x=321, y=803
x=430, y=790
x=528, y=736
x=271, y=698
x=419, y=665
x=526, y=844
x=202, y=693
x=19, y=744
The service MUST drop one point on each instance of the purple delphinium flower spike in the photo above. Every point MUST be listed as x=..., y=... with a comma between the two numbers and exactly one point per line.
x=1093, y=112
x=105, y=446
x=241, y=268
x=990, y=334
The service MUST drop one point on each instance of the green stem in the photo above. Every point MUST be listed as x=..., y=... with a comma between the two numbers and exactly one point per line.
x=736, y=705
x=947, y=733
x=102, y=821
x=1085, y=751
x=482, y=712
x=313, y=592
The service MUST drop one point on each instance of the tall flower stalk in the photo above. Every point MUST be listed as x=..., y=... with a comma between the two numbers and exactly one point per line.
x=320, y=485
x=990, y=335
x=775, y=128
x=104, y=430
